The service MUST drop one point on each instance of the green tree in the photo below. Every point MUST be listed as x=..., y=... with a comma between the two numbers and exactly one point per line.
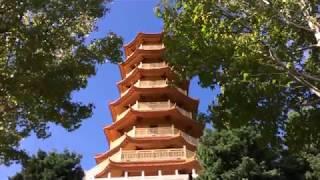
x=239, y=154
x=44, y=56
x=51, y=166
x=263, y=58
x=235, y=154
x=262, y=55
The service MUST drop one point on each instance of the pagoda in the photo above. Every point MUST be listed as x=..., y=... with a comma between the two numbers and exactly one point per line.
x=153, y=134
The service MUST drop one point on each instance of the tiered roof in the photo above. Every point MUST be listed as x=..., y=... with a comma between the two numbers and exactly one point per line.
x=153, y=129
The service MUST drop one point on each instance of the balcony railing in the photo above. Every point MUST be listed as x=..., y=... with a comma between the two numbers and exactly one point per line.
x=154, y=106
x=153, y=65
x=151, y=46
x=149, y=66
x=162, y=131
x=155, y=132
x=153, y=155
x=153, y=84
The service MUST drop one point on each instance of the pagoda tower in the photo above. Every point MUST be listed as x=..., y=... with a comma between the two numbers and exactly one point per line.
x=153, y=134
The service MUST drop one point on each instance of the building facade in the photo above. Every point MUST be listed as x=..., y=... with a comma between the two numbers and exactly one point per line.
x=153, y=134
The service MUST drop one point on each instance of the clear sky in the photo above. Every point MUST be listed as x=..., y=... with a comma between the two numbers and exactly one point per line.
x=126, y=18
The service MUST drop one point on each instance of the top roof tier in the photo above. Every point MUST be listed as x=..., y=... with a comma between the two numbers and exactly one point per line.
x=142, y=38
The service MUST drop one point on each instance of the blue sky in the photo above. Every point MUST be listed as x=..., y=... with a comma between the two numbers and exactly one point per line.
x=126, y=18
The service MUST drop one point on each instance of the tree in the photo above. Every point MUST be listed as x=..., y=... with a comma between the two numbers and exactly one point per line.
x=44, y=56
x=51, y=166
x=235, y=154
x=238, y=154
x=262, y=55
x=263, y=58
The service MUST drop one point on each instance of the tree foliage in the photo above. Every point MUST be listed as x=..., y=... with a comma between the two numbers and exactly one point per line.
x=44, y=56
x=51, y=166
x=239, y=154
x=262, y=56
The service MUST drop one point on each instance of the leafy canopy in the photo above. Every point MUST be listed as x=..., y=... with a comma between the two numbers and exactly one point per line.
x=44, y=56
x=51, y=166
x=238, y=154
x=262, y=55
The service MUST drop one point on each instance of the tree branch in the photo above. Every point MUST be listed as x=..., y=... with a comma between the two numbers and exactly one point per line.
x=308, y=47
x=294, y=74
x=308, y=76
x=297, y=25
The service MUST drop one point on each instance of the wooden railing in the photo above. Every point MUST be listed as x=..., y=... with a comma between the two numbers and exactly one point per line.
x=153, y=65
x=154, y=106
x=154, y=154
x=163, y=131
x=153, y=84
x=155, y=132
x=149, y=66
x=147, y=106
x=151, y=46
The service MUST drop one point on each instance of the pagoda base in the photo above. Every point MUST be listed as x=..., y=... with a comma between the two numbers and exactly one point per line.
x=142, y=177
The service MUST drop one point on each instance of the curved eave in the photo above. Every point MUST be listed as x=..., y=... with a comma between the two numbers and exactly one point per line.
x=129, y=120
x=154, y=37
x=139, y=72
x=190, y=164
x=134, y=92
x=143, y=141
x=136, y=58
